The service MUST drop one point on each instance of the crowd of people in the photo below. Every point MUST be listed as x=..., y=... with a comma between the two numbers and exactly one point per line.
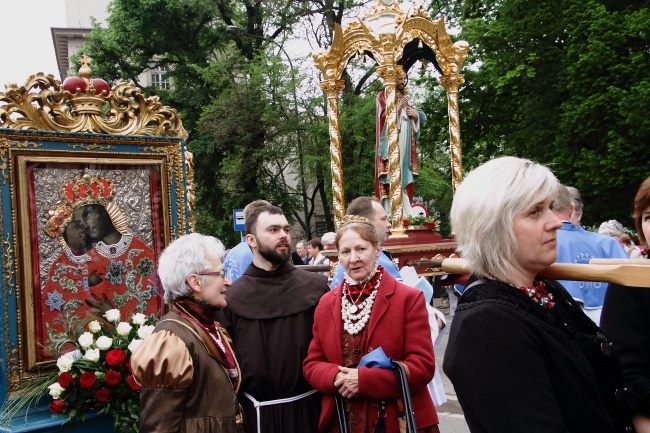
x=280, y=349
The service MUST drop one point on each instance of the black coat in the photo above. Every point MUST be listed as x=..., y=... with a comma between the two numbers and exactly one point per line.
x=626, y=320
x=519, y=367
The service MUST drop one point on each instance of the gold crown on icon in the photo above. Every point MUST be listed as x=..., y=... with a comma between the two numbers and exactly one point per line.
x=87, y=190
x=83, y=191
x=59, y=218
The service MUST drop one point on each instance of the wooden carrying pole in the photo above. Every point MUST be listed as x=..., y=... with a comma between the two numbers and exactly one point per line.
x=635, y=273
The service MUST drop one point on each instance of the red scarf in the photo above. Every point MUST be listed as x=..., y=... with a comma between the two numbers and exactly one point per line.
x=359, y=292
x=203, y=317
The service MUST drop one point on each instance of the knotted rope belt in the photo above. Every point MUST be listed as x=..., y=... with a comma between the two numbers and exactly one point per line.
x=258, y=404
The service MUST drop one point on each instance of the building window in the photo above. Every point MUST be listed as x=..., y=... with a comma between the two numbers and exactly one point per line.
x=159, y=78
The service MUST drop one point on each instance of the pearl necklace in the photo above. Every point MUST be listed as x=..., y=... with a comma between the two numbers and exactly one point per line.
x=77, y=260
x=351, y=312
x=114, y=250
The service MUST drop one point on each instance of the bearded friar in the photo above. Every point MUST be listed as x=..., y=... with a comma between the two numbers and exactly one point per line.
x=270, y=314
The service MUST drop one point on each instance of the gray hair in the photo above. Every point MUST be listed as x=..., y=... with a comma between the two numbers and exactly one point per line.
x=189, y=254
x=562, y=199
x=611, y=228
x=575, y=197
x=485, y=206
x=328, y=238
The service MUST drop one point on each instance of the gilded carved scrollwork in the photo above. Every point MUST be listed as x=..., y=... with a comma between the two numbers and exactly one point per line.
x=384, y=32
x=190, y=188
x=5, y=145
x=43, y=104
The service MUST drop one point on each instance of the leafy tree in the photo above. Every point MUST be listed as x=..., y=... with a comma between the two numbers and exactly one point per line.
x=252, y=126
x=564, y=83
x=226, y=87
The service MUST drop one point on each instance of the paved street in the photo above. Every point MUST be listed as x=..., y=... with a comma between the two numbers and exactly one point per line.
x=450, y=413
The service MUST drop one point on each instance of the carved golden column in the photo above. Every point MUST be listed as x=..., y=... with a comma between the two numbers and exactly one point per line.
x=332, y=88
x=190, y=189
x=452, y=83
x=389, y=74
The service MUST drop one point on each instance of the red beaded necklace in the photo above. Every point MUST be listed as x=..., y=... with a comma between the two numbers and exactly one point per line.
x=538, y=293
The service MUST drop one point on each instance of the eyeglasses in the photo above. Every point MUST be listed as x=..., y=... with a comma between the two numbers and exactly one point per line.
x=215, y=273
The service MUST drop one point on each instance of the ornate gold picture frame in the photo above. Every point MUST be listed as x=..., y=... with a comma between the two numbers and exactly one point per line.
x=51, y=181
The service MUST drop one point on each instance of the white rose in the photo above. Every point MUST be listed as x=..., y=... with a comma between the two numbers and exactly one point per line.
x=92, y=355
x=133, y=345
x=138, y=319
x=94, y=327
x=145, y=331
x=124, y=328
x=86, y=340
x=75, y=354
x=65, y=362
x=104, y=343
x=56, y=390
x=113, y=315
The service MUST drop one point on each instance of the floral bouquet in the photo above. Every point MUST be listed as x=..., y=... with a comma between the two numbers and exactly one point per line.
x=426, y=216
x=97, y=376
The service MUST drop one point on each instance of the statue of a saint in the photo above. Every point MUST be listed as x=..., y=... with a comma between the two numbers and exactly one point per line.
x=409, y=122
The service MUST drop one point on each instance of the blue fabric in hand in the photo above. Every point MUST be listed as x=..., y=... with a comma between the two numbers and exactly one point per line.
x=376, y=359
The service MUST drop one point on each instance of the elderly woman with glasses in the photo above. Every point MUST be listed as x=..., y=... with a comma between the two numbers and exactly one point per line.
x=186, y=368
x=367, y=311
x=522, y=355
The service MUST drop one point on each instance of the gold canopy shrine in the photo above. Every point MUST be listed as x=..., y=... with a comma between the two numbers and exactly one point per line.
x=395, y=40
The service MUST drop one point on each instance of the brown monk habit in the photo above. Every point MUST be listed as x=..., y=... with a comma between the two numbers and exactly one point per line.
x=270, y=317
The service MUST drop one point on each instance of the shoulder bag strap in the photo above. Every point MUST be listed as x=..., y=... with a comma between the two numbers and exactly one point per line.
x=340, y=412
x=402, y=382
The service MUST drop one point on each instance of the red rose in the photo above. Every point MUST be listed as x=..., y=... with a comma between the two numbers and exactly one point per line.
x=102, y=394
x=407, y=222
x=112, y=377
x=432, y=225
x=65, y=379
x=57, y=406
x=87, y=380
x=115, y=357
x=132, y=383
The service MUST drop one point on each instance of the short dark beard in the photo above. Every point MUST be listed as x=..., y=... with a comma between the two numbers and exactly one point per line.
x=273, y=256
